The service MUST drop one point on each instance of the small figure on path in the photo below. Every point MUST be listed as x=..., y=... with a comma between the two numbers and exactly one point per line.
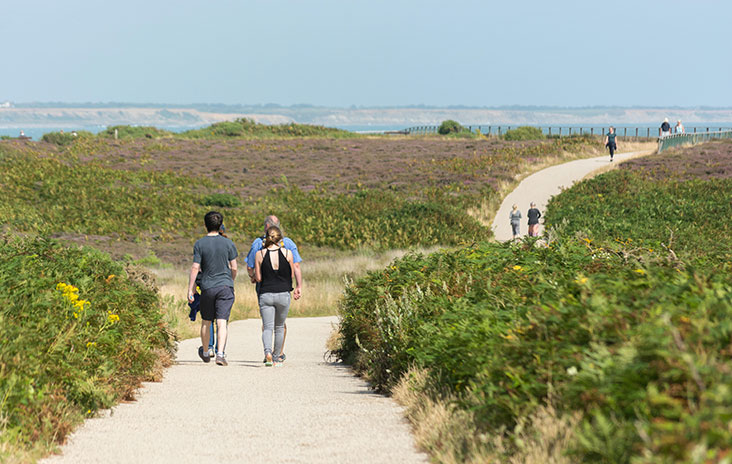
x=215, y=257
x=515, y=217
x=610, y=142
x=679, y=129
x=665, y=128
x=534, y=215
x=274, y=270
x=288, y=244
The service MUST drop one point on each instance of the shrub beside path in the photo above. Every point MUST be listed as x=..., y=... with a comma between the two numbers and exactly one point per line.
x=542, y=185
x=309, y=410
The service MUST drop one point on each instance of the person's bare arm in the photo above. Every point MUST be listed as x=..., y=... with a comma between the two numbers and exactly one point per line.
x=192, y=279
x=298, y=280
x=250, y=271
x=258, y=268
x=232, y=265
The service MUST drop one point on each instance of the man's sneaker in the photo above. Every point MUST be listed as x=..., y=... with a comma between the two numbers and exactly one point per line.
x=268, y=360
x=221, y=360
x=203, y=355
x=281, y=358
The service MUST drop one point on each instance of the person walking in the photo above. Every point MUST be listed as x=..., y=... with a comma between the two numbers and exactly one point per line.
x=679, y=129
x=665, y=128
x=515, y=217
x=215, y=257
x=610, y=142
x=534, y=215
x=274, y=270
x=288, y=244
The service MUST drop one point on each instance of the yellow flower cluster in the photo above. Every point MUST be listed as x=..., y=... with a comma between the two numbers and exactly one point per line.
x=71, y=294
x=517, y=268
x=112, y=318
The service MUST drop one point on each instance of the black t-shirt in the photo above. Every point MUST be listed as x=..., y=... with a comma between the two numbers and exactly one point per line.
x=534, y=216
x=666, y=127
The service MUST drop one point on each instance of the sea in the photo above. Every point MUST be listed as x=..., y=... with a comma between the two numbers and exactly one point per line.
x=36, y=133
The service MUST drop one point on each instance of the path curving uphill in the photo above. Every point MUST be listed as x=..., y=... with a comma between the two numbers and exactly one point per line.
x=542, y=185
x=309, y=410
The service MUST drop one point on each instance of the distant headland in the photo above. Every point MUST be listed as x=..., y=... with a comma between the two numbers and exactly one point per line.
x=57, y=115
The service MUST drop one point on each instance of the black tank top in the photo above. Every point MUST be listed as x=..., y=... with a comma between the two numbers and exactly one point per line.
x=279, y=280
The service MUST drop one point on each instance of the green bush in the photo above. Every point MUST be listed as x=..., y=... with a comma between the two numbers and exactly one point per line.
x=450, y=127
x=225, y=200
x=78, y=334
x=65, y=138
x=524, y=133
x=134, y=132
x=639, y=348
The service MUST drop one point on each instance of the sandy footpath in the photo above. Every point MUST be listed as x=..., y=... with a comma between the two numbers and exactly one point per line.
x=541, y=186
x=308, y=411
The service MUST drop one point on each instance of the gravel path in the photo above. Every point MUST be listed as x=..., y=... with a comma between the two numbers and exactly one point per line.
x=541, y=186
x=308, y=411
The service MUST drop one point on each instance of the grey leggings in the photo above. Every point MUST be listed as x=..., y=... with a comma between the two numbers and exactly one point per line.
x=273, y=307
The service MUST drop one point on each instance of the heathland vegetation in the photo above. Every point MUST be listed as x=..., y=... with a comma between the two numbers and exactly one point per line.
x=608, y=340
x=81, y=329
x=79, y=333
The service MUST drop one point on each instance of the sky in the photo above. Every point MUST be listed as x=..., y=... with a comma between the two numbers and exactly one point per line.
x=369, y=53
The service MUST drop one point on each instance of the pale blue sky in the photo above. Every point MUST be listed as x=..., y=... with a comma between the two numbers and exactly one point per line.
x=369, y=53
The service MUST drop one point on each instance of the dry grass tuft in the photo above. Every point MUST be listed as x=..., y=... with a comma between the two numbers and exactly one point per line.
x=450, y=436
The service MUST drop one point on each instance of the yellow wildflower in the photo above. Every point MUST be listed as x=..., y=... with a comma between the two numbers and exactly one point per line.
x=640, y=271
x=517, y=268
x=109, y=279
x=111, y=317
x=91, y=344
x=581, y=280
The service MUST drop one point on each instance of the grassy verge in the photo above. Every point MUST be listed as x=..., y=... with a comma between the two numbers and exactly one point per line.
x=79, y=333
x=607, y=344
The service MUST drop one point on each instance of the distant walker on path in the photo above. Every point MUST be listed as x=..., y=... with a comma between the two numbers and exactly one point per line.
x=534, y=215
x=215, y=257
x=610, y=142
x=515, y=217
x=665, y=129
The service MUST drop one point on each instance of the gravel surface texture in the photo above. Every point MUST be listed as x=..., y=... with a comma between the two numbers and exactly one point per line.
x=541, y=186
x=307, y=411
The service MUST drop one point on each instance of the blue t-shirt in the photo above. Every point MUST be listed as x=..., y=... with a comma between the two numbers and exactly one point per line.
x=258, y=243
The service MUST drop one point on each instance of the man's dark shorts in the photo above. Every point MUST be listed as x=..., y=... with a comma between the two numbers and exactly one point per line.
x=216, y=303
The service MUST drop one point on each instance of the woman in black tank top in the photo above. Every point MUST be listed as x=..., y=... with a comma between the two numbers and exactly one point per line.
x=274, y=269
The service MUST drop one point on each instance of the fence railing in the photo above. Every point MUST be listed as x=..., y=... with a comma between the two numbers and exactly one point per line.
x=640, y=132
x=676, y=140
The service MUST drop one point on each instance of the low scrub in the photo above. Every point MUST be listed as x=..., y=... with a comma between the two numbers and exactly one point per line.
x=134, y=132
x=524, y=133
x=79, y=332
x=655, y=203
x=65, y=138
x=638, y=347
x=247, y=128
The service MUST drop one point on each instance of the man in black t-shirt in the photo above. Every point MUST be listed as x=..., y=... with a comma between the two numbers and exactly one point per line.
x=665, y=128
x=215, y=257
